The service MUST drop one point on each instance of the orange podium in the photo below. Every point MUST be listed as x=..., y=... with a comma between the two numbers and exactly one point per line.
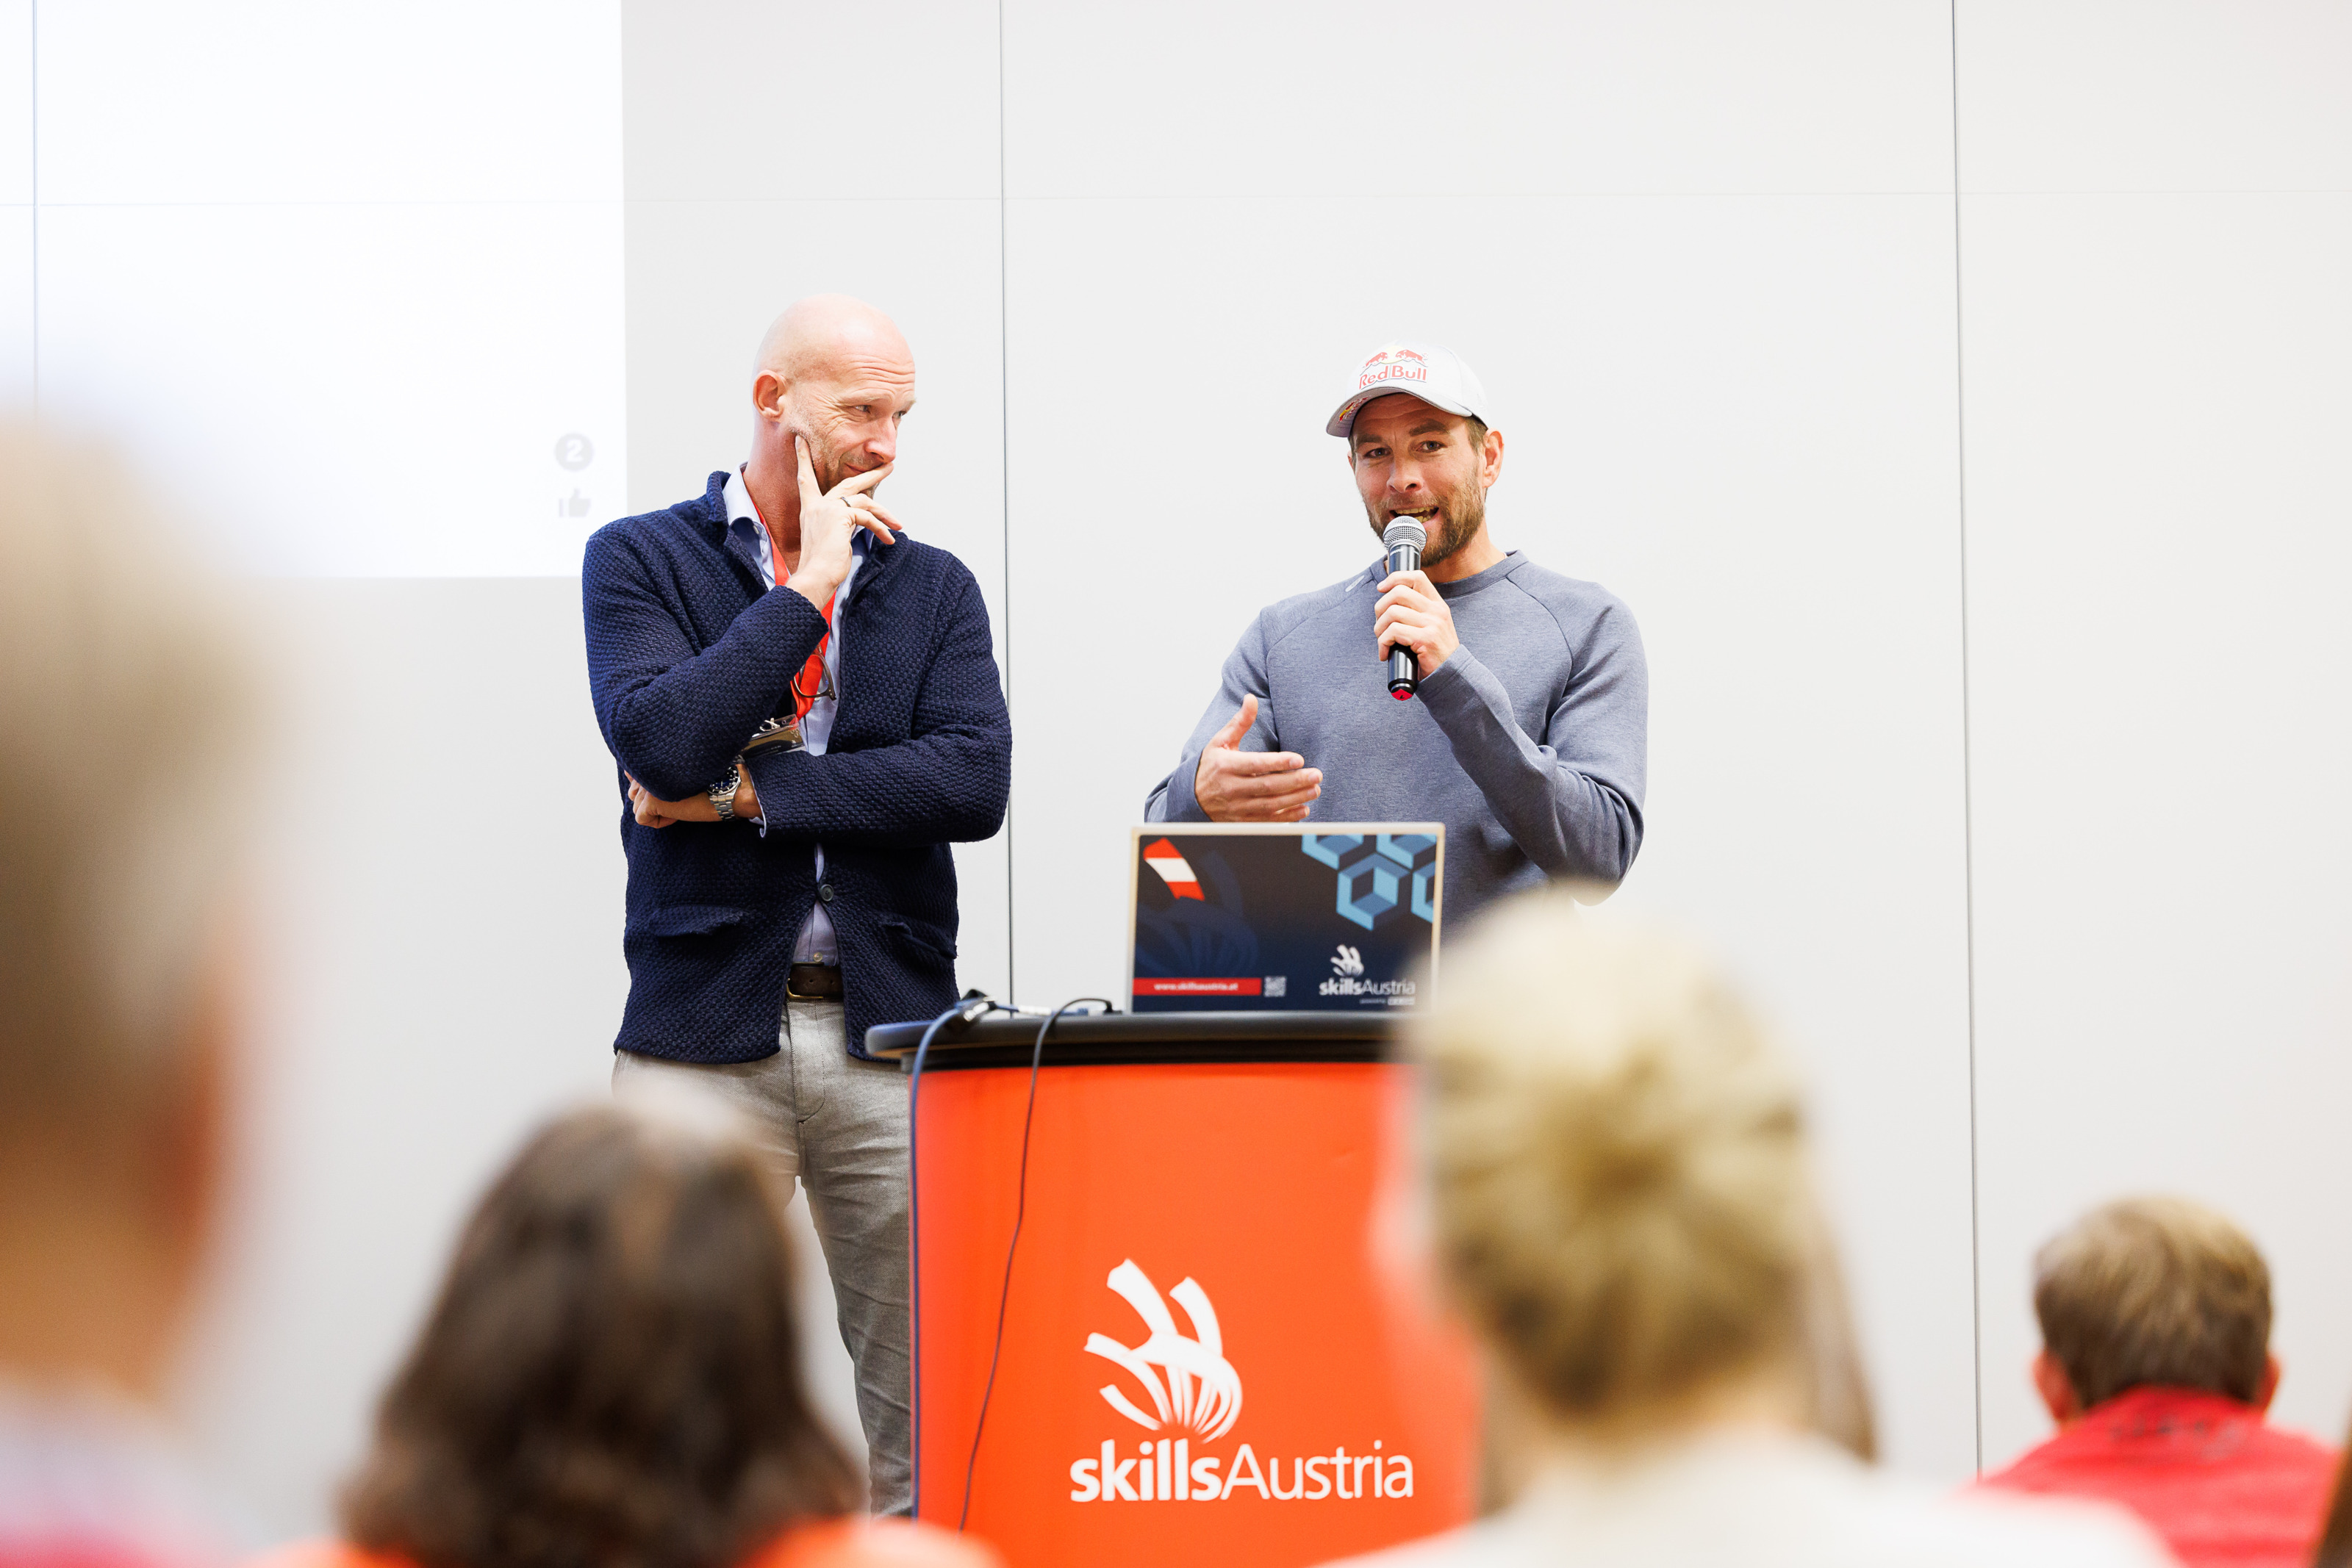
x=1203, y=1357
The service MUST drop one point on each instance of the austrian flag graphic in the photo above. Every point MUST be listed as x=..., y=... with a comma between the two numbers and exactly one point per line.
x=1162, y=856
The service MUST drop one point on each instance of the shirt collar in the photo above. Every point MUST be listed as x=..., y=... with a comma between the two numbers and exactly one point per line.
x=739, y=507
x=1461, y=587
x=2161, y=1407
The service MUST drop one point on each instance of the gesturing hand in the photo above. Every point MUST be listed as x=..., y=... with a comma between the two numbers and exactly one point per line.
x=1252, y=786
x=1414, y=614
x=829, y=519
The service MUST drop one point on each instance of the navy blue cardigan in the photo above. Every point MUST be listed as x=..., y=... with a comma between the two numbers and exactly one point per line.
x=687, y=653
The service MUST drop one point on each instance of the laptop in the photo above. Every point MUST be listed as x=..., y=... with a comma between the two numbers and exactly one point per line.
x=1243, y=916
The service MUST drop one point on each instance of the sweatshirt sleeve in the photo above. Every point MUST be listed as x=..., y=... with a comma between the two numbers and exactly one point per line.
x=1572, y=799
x=1171, y=798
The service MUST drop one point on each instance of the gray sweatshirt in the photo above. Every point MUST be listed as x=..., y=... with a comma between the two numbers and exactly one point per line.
x=1528, y=743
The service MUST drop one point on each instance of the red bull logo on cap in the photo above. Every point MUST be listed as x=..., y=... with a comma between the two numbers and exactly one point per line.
x=1392, y=364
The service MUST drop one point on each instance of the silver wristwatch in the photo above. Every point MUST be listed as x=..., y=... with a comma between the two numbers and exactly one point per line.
x=722, y=794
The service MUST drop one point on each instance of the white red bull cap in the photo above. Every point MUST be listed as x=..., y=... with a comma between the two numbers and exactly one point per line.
x=1435, y=375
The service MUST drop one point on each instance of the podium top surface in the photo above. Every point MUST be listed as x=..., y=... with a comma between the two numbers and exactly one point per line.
x=1007, y=1039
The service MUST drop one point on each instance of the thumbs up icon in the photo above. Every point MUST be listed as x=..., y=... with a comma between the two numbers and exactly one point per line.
x=573, y=505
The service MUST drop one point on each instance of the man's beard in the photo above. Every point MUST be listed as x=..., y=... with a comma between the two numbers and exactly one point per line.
x=1457, y=522
x=832, y=467
x=833, y=470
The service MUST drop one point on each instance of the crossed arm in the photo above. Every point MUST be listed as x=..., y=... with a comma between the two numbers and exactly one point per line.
x=946, y=782
x=676, y=717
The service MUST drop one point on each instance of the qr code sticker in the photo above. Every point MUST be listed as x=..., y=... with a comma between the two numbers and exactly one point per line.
x=1277, y=985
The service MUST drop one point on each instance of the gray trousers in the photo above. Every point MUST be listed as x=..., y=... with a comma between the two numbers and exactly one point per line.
x=838, y=1126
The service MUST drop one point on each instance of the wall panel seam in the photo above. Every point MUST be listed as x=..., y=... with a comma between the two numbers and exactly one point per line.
x=1005, y=481
x=1968, y=796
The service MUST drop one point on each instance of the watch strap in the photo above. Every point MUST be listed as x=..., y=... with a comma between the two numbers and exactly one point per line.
x=722, y=794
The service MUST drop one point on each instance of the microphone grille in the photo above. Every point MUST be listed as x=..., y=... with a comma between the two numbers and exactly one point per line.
x=1404, y=531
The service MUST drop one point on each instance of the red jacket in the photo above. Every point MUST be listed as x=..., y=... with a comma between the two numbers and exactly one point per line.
x=2223, y=1488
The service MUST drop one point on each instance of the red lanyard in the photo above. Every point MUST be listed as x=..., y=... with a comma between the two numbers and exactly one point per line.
x=808, y=682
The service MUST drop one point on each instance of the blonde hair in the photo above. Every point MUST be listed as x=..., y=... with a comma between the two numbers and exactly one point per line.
x=1618, y=1178
x=2155, y=1290
x=125, y=712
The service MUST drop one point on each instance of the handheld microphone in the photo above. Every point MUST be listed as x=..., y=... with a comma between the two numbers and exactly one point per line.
x=1404, y=539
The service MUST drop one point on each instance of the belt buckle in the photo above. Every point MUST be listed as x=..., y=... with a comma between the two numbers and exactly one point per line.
x=795, y=994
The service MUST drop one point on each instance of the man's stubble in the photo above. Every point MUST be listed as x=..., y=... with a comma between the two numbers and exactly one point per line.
x=831, y=464
x=1460, y=516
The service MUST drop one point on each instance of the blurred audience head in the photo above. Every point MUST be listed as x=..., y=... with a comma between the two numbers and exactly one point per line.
x=612, y=1372
x=2151, y=1292
x=126, y=721
x=1619, y=1190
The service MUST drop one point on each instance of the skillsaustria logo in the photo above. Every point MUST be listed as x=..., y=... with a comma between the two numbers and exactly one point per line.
x=1190, y=1389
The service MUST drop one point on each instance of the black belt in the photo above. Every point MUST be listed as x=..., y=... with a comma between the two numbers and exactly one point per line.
x=813, y=983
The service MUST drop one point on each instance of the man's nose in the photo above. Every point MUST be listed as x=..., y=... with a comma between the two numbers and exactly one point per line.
x=883, y=446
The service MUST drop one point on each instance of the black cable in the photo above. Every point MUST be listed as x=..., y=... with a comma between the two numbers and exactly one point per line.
x=964, y=1011
x=1020, y=1213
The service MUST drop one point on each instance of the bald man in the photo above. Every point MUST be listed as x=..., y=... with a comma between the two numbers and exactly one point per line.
x=804, y=709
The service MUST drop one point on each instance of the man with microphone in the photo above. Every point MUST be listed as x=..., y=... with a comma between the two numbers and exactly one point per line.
x=805, y=708
x=1519, y=718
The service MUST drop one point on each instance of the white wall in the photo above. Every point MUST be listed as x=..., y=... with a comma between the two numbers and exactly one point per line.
x=2157, y=231
x=1717, y=324
x=1709, y=259
x=440, y=971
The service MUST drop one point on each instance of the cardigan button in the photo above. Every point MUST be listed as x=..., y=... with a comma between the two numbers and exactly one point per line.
x=825, y=893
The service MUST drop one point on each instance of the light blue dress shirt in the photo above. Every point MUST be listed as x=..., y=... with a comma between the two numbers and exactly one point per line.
x=816, y=943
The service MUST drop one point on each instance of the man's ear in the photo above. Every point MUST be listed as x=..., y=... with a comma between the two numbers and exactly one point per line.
x=767, y=392
x=2057, y=1390
x=2267, y=1389
x=1490, y=461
